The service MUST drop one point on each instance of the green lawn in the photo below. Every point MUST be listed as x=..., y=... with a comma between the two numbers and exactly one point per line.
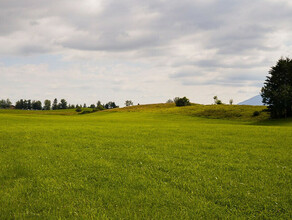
x=146, y=162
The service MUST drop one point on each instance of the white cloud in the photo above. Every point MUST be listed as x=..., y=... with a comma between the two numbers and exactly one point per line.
x=148, y=51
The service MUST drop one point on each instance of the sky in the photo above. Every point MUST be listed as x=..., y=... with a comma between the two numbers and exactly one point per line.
x=144, y=51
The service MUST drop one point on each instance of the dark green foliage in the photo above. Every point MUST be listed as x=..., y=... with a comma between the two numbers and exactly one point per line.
x=110, y=105
x=277, y=90
x=19, y=104
x=55, y=104
x=217, y=101
x=128, y=103
x=176, y=99
x=5, y=103
x=28, y=104
x=63, y=104
x=99, y=107
x=36, y=105
x=256, y=113
x=182, y=101
x=78, y=109
x=92, y=106
x=47, y=105
x=86, y=112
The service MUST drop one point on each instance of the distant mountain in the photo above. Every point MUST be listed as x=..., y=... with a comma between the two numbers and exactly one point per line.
x=256, y=100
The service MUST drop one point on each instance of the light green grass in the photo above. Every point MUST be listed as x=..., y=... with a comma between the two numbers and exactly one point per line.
x=158, y=161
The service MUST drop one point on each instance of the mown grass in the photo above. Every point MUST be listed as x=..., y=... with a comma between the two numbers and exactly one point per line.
x=133, y=163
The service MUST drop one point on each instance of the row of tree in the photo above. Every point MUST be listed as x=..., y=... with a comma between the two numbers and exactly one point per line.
x=48, y=105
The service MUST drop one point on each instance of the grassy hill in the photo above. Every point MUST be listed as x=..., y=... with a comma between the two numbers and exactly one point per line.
x=230, y=112
x=148, y=161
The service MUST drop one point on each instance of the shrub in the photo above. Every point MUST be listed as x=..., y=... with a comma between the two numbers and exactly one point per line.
x=256, y=113
x=182, y=101
x=86, y=112
x=78, y=109
x=218, y=102
x=99, y=108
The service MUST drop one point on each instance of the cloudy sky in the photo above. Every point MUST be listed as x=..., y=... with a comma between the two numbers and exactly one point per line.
x=146, y=51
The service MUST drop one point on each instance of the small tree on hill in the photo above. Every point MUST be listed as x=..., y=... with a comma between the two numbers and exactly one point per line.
x=128, y=103
x=182, y=101
x=216, y=100
x=176, y=99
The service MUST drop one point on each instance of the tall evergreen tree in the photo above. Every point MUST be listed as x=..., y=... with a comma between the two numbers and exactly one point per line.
x=277, y=90
x=29, y=105
x=55, y=104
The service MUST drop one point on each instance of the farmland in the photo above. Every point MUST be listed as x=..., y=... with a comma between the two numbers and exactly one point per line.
x=153, y=161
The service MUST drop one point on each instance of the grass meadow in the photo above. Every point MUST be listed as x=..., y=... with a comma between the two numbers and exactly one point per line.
x=145, y=162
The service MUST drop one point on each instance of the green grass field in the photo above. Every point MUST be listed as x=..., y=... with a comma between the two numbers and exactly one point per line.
x=145, y=162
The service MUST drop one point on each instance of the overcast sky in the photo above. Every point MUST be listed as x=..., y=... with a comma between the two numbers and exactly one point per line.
x=146, y=51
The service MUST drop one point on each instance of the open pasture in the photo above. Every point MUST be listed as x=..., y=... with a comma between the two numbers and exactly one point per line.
x=156, y=162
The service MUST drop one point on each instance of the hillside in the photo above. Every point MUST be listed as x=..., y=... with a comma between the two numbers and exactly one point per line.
x=229, y=112
x=232, y=112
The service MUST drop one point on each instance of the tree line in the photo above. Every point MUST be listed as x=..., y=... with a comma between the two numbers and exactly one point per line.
x=55, y=105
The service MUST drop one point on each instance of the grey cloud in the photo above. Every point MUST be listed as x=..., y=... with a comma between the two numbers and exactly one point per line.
x=188, y=42
x=226, y=25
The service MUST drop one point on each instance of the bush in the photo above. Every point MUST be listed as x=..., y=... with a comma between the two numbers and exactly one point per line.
x=78, y=109
x=99, y=108
x=256, y=113
x=218, y=102
x=86, y=112
x=182, y=101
